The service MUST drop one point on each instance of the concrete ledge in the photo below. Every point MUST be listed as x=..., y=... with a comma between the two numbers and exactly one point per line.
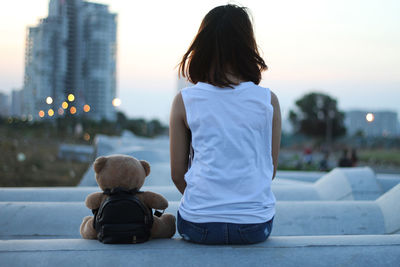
x=277, y=251
x=390, y=206
x=349, y=184
x=388, y=181
x=283, y=191
x=70, y=194
x=27, y=220
x=339, y=184
x=304, y=176
x=162, y=169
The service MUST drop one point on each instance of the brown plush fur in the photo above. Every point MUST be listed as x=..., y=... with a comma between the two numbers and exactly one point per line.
x=128, y=172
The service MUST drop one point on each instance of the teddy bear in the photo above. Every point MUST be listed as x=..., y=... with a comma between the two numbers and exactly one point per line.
x=122, y=171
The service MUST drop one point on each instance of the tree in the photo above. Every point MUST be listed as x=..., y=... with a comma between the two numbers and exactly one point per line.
x=317, y=115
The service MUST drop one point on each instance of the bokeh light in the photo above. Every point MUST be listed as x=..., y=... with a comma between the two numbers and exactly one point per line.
x=116, y=102
x=64, y=105
x=71, y=97
x=21, y=157
x=72, y=110
x=50, y=112
x=41, y=114
x=86, y=136
x=370, y=117
x=49, y=100
x=86, y=108
x=60, y=111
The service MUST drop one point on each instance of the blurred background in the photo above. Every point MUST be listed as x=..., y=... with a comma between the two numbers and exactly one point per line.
x=72, y=69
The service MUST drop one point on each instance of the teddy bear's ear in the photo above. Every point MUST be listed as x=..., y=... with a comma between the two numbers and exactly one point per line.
x=99, y=164
x=146, y=166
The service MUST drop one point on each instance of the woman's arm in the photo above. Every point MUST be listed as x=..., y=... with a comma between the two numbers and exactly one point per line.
x=179, y=143
x=276, y=131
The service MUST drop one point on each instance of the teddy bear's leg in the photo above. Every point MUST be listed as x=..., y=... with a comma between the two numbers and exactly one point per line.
x=164, y=226
x=87, y=231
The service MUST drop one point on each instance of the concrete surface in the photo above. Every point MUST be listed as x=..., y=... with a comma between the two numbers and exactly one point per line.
x=339, y=184
x=349, y=184
x=283, y=191
x=62, y=219
x=389, y=203
x=388, y=181
x=277, y=251
x=64, y=194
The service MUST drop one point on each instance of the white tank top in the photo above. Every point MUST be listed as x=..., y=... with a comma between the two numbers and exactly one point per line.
x=231, y=172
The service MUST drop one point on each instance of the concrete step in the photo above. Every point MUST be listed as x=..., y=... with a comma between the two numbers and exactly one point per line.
x=62, y=219
x=340, y=184
x=20, y=220
x=60, y=194
x=371, y=250
x=349, y=184
x=67, y=194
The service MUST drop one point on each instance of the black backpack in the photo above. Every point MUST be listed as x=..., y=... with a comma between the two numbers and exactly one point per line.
x=122, y=218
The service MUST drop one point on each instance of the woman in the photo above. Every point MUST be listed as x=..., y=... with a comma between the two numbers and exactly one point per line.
x=233, y=127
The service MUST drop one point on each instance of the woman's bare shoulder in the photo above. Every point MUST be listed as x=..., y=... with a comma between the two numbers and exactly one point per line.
x=274, y=100
x=177, y=104
x=178, y=110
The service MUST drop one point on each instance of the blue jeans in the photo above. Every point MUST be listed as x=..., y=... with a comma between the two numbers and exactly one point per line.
x=214, y=233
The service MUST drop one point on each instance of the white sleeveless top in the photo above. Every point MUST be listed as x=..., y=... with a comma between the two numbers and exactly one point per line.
x=231, y=172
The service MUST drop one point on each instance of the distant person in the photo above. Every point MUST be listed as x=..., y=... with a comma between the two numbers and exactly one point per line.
x=324, y=162
x=234, y=127
x=345, y=160
x=354, y=158
x=308, y=156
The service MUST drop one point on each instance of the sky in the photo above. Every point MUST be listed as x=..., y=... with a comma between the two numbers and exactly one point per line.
x=348, y=49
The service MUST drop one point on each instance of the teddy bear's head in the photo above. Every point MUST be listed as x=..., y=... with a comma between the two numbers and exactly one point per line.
x=120, y=171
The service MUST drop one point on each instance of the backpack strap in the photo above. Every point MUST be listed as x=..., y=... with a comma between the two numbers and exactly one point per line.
x=158, y=213
x=118, y=190
x=95, y=211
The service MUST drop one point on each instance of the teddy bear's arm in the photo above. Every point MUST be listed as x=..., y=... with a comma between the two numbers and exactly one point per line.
x=154, y=200
x=94, y=200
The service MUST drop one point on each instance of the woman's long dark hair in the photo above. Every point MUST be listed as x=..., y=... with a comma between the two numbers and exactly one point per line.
x=224, y=47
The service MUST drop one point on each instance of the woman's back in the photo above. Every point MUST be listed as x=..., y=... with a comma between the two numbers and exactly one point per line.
x=231, y=173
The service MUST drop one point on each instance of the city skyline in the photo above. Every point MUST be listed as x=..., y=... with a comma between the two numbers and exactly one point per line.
x=70, y=62
x=349, y=50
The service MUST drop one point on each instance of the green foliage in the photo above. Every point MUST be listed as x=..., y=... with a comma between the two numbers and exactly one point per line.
x=380, y=156
x=141, y=127
x=314, y=112
x=29, y=149
x=65, y=128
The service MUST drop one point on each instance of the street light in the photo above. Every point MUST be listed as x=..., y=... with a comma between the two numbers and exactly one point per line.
x=116, y=102
x=72, y=110
x=71, y=97
x=49, y=100
x=64, y=105
x=50, y=112
x=86, y=108
x=41, y=113
x=370, y=117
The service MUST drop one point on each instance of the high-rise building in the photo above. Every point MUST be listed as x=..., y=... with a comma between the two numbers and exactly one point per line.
x=4, y=105
x=379, y=123
x=16, y=103
x=72, y=51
